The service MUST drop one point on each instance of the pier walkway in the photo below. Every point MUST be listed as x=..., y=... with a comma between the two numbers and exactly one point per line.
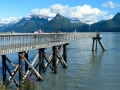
x=10, y=43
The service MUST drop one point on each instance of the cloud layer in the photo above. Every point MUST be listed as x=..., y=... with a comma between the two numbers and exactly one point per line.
x=9, y=20
x=110, y=4
x=83, y=13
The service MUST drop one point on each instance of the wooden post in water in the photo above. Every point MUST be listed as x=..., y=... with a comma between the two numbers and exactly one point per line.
x=65, y=54
x=20, y=70
x=4, y=69
x=101, y=44
x=41, y=60
x=98, y=38
x=54, y=59
x=26, y=65
x=94, y=46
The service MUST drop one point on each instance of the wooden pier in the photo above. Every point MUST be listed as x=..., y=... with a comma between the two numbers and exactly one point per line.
x=23, y=43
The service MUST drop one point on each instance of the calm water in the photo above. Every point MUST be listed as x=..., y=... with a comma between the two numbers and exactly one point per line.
x=86, y=70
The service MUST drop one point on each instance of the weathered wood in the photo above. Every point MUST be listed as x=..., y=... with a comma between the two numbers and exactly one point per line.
x=101, y=44
x=40, y=61
x=62, y=53
x=93, y=45
x=42, y=58
x=35, y=68
x=20, y=70
x=48, y=62
x=26, y=65
x=11, y=62
x=31, y=65
x=96, y=44
x=47, y=58
x=54, y=63
x=38, y=75
x=4, y=68
x=65, y=53
x=12, y=75
x=61, y=57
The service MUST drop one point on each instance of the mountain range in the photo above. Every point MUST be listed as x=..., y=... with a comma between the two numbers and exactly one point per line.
x=59, y=22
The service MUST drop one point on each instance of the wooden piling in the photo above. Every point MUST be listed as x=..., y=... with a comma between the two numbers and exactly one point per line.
x=20, y=70
x=41, y=60
x=94, y=45
x=101, y=44
x=65, y=54
x=54, y=60
x=26, y=65
x=98, y=38
x=4, y=68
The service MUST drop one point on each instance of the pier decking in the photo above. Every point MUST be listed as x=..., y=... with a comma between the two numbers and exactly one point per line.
x=10, y=43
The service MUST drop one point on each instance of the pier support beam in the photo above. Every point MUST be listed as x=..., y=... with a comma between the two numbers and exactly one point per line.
x=54, y=59
x=94, y=46
x=26, y=65
x=20, y=70
x=4, y=68
x=41, y=60
x=39, y=77
x=65, y=54
x=101, y=44
x=98, y=38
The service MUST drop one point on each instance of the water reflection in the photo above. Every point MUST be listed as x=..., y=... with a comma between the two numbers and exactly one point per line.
x=96, y=57
x=54, y=81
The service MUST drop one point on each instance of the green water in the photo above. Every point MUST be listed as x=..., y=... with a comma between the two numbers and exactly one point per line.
x=86, y=70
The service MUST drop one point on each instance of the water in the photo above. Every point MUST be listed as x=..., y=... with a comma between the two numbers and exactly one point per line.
x=86, y=70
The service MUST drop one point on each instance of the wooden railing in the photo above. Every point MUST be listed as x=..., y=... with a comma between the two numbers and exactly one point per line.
x=17, y=42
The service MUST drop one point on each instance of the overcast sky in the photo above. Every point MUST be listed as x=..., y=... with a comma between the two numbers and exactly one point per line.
x=84, y=10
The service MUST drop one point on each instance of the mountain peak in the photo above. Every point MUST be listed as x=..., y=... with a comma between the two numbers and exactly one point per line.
x=117, y=16
x=58, y=15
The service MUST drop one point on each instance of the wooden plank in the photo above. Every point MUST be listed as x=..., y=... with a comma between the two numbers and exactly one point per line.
x=61, y=57
x=12, y=75
x=48, y=63
x=101, y=44
x=47, y=58
x=31, y=65
x=38, y=75
x=11, y=62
